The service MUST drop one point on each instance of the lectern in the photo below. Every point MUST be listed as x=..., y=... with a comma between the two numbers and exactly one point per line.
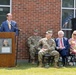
x=7, y=49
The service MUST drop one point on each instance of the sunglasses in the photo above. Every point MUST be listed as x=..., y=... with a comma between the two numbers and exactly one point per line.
x=74, y=34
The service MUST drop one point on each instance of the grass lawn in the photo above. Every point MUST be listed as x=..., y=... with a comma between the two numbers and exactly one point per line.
x=29, y=69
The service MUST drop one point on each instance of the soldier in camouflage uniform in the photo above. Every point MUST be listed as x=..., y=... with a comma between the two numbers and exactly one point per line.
x=32, y=43
x=48, y=46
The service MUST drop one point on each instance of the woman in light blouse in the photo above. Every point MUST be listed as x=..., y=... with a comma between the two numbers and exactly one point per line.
x=72, y=42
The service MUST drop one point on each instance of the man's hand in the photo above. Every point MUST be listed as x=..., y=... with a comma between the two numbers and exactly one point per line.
x=61, y=47
x=43, y=49
x=58, y=47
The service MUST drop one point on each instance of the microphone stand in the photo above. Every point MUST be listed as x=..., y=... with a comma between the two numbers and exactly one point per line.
x=16, y=42
x=17, y=45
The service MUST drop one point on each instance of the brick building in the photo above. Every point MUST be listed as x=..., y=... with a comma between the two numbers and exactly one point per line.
x=37, y=14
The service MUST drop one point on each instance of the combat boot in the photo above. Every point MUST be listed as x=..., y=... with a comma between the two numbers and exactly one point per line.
x=55, y=65
x=40, y=64
x=33, y=61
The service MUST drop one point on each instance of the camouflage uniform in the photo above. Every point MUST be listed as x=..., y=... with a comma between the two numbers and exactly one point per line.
x=32, y=43
x=49, y=46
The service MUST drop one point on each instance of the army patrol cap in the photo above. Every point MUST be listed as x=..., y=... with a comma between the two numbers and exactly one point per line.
x=36, y=31
x=49, y=32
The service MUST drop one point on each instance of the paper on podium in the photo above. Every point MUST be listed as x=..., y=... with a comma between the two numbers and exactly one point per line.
x=6, y=50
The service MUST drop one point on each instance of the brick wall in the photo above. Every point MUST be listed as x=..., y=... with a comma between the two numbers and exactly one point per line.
x=35, y=14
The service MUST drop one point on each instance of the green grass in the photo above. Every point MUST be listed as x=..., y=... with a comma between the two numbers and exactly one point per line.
x=28, y=69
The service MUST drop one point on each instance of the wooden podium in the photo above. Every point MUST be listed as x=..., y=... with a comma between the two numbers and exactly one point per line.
x=7, y=49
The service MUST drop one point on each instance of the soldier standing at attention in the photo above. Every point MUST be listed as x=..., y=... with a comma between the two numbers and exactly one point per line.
x=32, y=43
x=48, y=46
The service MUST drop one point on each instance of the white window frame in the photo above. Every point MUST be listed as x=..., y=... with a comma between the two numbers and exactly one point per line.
x=68, y=9
x=10, y=6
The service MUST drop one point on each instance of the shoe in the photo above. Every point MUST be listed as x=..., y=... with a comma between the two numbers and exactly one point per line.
x=47, y=66
x=55, y=65
x=33, y=62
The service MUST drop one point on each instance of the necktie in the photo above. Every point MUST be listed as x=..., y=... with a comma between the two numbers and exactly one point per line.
x=61, y=43
x=9, y=25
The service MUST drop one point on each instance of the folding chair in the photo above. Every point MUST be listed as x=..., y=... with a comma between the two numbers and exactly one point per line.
x=47, y=59
x=72, y=59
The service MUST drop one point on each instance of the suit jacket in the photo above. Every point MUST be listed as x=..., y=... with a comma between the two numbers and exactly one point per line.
x=5, y=27
x=65, y=51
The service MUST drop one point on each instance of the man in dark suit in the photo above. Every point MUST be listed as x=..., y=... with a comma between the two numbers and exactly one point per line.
x=62, y=46
x=9, y=25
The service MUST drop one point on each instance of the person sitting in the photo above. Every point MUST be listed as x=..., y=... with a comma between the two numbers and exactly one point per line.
x=62, y=46
x=32, y=43
x=72, y=42
x=48, y=46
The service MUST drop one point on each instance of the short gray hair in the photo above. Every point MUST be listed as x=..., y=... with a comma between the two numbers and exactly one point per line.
x=60, y=32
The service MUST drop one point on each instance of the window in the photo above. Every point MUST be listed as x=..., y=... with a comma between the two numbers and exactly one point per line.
x=68, y=12
x=4, y=2
x=5, y=7
x=68, y=3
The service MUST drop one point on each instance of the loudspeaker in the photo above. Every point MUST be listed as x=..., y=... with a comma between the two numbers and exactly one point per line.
x=73, y=21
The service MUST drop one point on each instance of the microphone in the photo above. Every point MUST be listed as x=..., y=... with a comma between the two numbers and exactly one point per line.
x=15, y=27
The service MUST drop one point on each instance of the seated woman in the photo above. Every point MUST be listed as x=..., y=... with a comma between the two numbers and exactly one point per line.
x=72, y=42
